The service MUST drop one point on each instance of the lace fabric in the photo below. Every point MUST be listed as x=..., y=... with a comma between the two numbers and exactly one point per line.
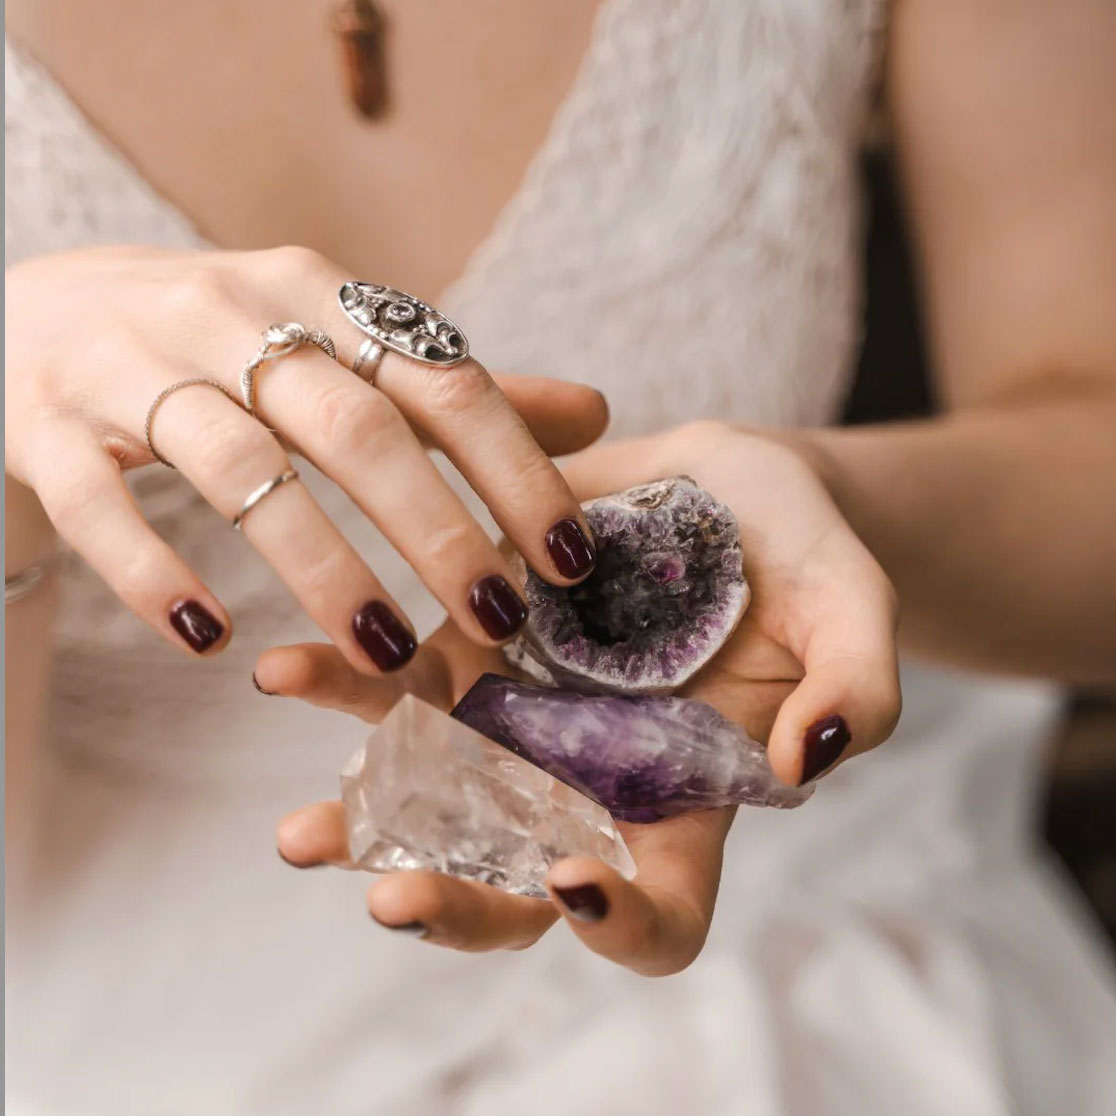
x=685, y=240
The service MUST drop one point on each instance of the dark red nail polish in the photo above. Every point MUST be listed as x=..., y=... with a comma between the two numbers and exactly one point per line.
x=498, y=607
x=256, y=683
x=313, y=864
x=386, y=639
x=570, y=551
x=405, y=929
x=586, y=903
x=823, y=744
x=197, y=625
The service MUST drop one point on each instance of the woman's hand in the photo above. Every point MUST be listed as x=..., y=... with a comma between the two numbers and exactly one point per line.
x=812, y=669
x=812, y=664
x=94, y=337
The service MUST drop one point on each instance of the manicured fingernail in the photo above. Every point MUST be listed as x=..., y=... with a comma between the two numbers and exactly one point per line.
x=312, y=864
x=570, y=551
x=823, y=744
x=256, y=683
x=197, y=625
x=387, y=641
x=405, y=929
x=586, y=903
x=498, y=607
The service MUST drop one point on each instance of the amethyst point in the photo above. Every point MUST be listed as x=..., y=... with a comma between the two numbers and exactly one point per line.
x=642, y=758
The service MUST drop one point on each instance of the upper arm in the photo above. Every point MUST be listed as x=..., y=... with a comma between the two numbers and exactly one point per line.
x=1005, y=119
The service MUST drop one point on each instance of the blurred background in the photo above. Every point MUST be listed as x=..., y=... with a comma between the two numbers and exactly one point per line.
x=1079, y=820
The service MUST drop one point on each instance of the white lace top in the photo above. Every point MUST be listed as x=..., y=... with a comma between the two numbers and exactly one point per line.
x=685, y=238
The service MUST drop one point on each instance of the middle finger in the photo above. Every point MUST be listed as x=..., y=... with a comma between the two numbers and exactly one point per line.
x=358, y=438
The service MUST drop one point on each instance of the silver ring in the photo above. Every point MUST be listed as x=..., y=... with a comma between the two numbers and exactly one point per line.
x=168, y=391
x=279, y=339
x=403, y=323
x=261, y=493
x=368, y=358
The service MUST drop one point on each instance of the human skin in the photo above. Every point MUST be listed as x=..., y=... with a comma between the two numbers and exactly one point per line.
x=990, y=521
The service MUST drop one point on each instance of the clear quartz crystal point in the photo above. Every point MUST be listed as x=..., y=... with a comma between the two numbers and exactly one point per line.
x=427, y=791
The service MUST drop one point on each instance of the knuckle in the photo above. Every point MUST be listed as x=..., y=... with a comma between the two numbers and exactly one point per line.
x=65, y=501
x=225, y=445
x=323, y=573
x=443, y=548
x=194, y=292
x=138, y=572
x=349, y=419
x=294, y=261
x=451, y=391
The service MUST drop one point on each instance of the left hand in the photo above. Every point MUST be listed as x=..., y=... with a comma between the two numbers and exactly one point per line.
x=812, y=669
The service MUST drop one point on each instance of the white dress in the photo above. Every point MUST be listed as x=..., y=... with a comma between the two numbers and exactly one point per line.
x=686, y=239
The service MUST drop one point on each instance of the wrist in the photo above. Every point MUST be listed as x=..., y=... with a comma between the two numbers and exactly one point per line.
x=819, y=449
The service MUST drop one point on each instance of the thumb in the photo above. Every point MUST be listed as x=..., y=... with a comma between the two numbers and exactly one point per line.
x=847, y=703
x=563, y=417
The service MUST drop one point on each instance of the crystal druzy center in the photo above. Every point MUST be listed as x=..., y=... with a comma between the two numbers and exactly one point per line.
x=635, y=594
x=666, y=592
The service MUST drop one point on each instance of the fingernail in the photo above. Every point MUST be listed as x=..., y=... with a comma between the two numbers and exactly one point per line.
x=498, y=607
x=256, y=683
x=823, y=744
x=405, y=929
x=197, y=625
x=312, y=864
x=570, y=551
x=586, y=903
x=385, y=638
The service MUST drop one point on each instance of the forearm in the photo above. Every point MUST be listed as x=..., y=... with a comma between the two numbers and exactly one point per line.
x=998, y=529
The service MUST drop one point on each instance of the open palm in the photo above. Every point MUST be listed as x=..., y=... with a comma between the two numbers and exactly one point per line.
x=811, y=669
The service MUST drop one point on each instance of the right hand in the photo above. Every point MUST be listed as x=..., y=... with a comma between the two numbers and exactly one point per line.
x=93, y=337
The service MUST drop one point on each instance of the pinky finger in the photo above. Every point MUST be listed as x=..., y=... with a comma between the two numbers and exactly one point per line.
x=84, y=495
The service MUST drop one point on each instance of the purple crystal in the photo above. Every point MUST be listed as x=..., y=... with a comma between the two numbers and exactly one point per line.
x=642, y=758
x=667, y=591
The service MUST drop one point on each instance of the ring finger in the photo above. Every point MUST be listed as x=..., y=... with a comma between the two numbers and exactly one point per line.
x=227, y=455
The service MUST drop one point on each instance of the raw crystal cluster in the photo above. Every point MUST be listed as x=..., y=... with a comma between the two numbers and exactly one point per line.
x=644, y=758
x=547, y=764
x=429, y=792
x=666, y=593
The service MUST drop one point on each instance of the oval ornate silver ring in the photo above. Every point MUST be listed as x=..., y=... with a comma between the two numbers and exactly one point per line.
x=403, y=323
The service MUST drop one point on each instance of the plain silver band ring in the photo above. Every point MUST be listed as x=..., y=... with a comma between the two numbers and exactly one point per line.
x=368, y=358
x=261, y=493
x=161, y=398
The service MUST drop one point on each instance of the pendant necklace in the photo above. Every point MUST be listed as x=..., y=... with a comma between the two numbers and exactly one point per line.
x=361, y=31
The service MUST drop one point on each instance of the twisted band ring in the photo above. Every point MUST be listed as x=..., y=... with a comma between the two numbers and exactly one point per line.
x=279, y=339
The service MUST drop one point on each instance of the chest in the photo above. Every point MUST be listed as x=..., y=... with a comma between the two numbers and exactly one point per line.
x=238, y=113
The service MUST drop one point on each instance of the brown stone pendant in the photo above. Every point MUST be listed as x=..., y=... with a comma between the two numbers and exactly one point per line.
x=361, y=32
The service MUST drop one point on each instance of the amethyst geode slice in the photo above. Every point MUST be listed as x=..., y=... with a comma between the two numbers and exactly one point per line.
x=667, y=591
x=641, y=758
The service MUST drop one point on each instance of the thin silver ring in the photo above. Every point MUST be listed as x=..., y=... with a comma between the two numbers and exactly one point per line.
x=280, y=339
x=261, y=493
x=25, y=582
x=368, y=359
x=159, y=399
